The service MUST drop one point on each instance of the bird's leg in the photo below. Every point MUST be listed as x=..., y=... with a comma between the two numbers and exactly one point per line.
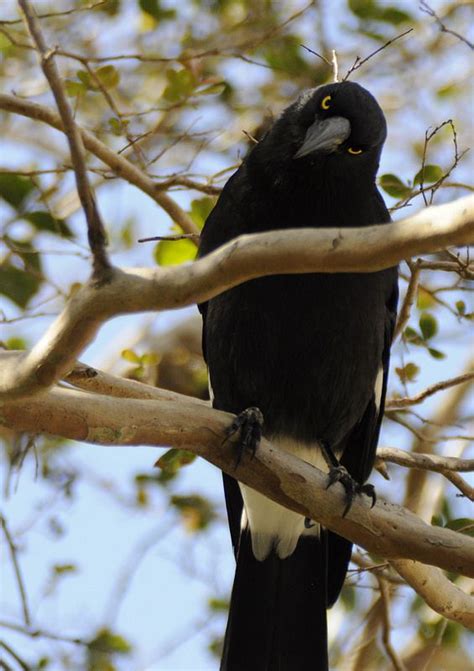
x=250, y=424
x=339, y=473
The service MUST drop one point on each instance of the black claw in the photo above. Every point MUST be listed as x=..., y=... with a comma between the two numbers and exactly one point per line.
x=250, y=424
x=351, y=486
x=369, y=490
x=308, y=523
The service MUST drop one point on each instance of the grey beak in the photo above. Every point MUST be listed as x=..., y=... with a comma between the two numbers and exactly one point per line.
x=325, y=136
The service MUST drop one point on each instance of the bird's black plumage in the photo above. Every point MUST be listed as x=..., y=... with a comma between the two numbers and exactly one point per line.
x=311, y=351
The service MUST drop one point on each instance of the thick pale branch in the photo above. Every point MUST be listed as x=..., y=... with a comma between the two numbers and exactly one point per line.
x=120, y=165
x=439, y=593
x=247, y=257
x=386, y=530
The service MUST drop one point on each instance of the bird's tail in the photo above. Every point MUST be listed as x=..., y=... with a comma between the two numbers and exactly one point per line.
x=277, y=617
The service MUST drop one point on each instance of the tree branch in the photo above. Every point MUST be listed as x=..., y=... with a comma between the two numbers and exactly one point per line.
x=439, y=593
x=432, y=462
x=247, y=257
x=386, y=530
x=397, y=403
x=96, y=231
x=120, y=165
x=408, y=301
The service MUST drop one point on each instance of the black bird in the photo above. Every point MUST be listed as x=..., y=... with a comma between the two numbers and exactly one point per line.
x=311, y=352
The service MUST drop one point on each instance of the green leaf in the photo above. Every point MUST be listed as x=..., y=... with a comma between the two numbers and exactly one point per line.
x=428, y=175
x=107, y=641
x=371, y=11
x=285, y=54
x=181, y=84
x=74, y=88
x=15, y=343
x=154, y=9
x=150, y=359
x=437, y=520
x=424, y=299
x=428, y=325
x=130, y=355
x=44, y=221
x=174, y=252
x=27, y=253
x=448, y=90
x=464, y=525
x=218, y=605
x=15, y=189
x=436, y=354
x=61, y=569
x=118, y=126
x=172, y=460
x=213, y=89
x=85, y=78
x=412, y=336
x=394, y=15
x=394, y=186
x=201, y=209
x=408, y=373
x=108, y=76
x=461, y=307
x=18, y=285
x=363, y=9
x=196, y=511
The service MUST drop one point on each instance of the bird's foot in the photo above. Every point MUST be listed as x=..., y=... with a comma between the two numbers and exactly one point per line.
x=250, y=424
x=351, y=486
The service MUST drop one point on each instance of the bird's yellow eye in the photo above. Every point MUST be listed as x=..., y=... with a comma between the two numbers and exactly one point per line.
x=325, y=102
x=354, y=151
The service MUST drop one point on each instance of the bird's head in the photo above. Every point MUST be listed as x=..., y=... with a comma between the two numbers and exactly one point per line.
x=336, y=128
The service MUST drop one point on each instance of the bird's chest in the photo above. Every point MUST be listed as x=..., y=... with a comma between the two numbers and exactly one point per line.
x=299, y=347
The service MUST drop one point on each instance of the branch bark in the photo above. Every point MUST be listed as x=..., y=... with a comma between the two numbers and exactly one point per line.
x=386, y=530
x=439, y=593
x=247, y=257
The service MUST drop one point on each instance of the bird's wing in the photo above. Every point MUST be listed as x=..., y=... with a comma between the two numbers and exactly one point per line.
x=360, y=446
x=224, y=223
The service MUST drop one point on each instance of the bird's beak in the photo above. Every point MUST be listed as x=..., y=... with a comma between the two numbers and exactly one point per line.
x=324, y=136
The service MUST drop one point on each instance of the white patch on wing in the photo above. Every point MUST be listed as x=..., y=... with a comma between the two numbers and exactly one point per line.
x=378, y=388
x=272, y=525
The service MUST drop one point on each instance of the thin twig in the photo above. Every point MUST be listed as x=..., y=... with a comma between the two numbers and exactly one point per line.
x=21, y=663
x=51, y=15
x=429, y=135
x=429, y=462
x=424, y=6
x=96, y=231
x=360, y=61
x=408, y=301
x=396, y=403
x=182, y=236
x=16, y=568
x=315, y=53
x=41, y=633
x=397, y=663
